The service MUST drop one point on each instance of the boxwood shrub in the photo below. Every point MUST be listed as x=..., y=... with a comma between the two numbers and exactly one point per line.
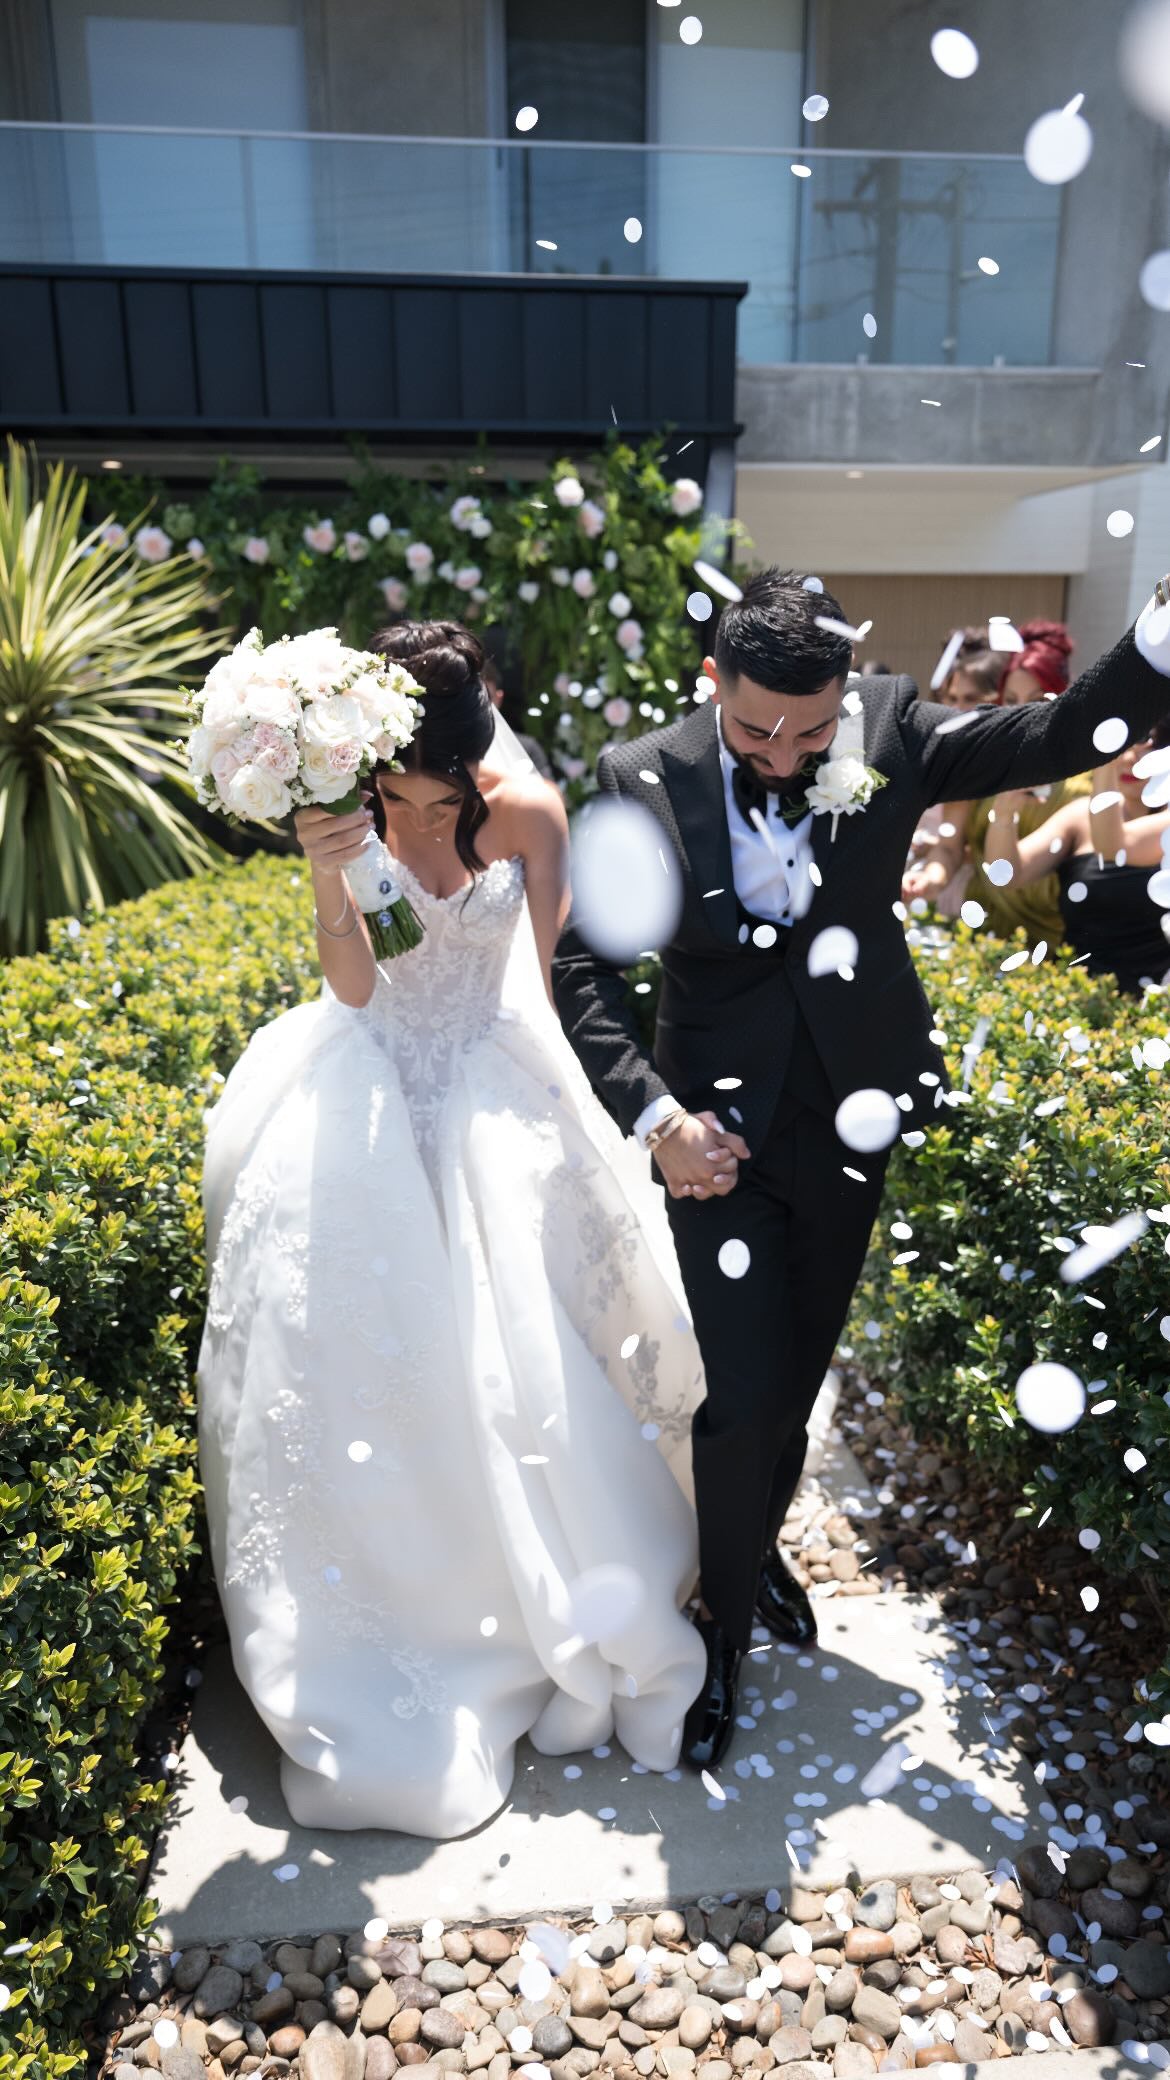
x=1067, y=1126
x=110, y=1047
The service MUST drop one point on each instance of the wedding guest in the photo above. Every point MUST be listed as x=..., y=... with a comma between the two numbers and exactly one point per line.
x=972, y=682
x=1106, y=856
x=1037, y=672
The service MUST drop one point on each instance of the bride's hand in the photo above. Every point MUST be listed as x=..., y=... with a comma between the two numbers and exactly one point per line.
x=329, y=842
x=700, y=1159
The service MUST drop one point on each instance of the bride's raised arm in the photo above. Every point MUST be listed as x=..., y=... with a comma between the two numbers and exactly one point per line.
x=331, y=843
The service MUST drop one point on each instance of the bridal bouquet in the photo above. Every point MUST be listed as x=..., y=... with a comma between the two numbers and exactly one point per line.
x=294, y=724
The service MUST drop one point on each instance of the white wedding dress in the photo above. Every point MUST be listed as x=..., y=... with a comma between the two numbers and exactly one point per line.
x=445, y=1509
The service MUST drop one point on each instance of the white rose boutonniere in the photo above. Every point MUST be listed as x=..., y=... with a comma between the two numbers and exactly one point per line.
x=842, y=787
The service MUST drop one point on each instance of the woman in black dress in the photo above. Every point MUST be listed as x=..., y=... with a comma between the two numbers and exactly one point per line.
x=1107, y=849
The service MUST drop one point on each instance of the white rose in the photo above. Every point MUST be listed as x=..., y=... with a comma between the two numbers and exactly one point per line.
x=255, y=794
x=592, y=697
x=583, y=584
x=592, y=518
x=629, y=635
x=568, y=491
x=269, y=701
x=446, y=570
x=224, y=766
x=331, y=719
x=464, y=511
x=478, y=595
x=114, y=536
x=685, y=497
x=256, y=549
x=195, y=547
x=419, y=557
x=356, y=546
x=467, y=577
x=842, y=785
x=481, y=528
x=323, y=783
x=201, y=747
x=322, y=537
x=395, y=594
x=152, y=544
x=377, y=527
x=528, y=592
x=619, y=605
x=559, y=575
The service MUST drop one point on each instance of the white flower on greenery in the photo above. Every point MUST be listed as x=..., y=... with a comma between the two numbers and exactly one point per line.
x=617, y=712
x=256, y=549
x=395, y=594
x=465, y=511
x=843, y=786
x=195, y=547
x=569, y=491
x=560, y=575
x=356, y=547
x=378, y=527
x=113, y=535
x=529, y=592
x=561, y=685
x=584, y=584
x=467, y=577
x=201, y=748
x=619, y=605
x=253, y=793
x=152, y=544
x=322, y=537
x=685, y=497
x=592, y=518
x=446, y=570
x=610, y=559
x=629, y=635
x=419, y=558
x=572, y=768
x=478, y=595
x=592, y=697
x=481, y=528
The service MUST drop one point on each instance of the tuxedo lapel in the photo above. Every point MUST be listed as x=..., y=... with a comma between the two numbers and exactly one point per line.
x=694, y=782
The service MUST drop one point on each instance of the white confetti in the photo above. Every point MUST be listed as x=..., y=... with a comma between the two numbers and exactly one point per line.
x=815, y=109
x=1133, y=1460
x=867, y=1120
x=1090, y=1598
x=838, y=628
x=734, y=1257
x=489, y=1627
x=986, y=265
x=869, y=325
x=1111, y=736
x=286, y=1872
x=954, y=53
x=1058, y=146
x=999, y=872
x=717, y=580
x=359, y=1451
x=1119, y=523
x=973, y=914
x=527, y=118
x=632, y=230
x=1099, y=1246
x=833, y=949
x=1050, y=1397
x=712, y=1786
x=690, y=29
x=623, y=902
x=700, y=606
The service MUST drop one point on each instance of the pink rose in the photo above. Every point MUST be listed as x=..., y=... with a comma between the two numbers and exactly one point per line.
x=629, y=634
x=322, y=537
x=345, y=757
x=256, y=549
x=592, y=518
x=356, y=547
x=223, y=766
x=617, y=712
x=395, y=594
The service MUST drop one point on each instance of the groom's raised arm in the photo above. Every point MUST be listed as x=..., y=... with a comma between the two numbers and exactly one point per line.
x=998, y=748
x=593, y=1003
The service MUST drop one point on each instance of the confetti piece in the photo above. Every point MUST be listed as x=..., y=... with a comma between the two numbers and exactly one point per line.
x=954, y=53
x=1154, y=442
x=1050, y=1397
x=838, y=628
x=717, y=581
x=815, y=109
x=1058, y=146
x=489, y=1627
x=286, y=1872
x=1099, y=1246
x=1119, y=523
x=734, y=1258
x=526, y=118
x=690, y=29
x=869, y=325
x=867, y=1120
x=547, y=245
x=1111, y=736
x=987, y=266
x=803, y=173
x=700, y=606
x=359, y=1451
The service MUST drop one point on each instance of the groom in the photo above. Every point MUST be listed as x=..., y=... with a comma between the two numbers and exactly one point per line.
x=756, y=1047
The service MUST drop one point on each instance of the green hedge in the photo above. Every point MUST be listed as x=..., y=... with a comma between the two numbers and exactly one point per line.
x=1068, y=1124
x=111, y=1046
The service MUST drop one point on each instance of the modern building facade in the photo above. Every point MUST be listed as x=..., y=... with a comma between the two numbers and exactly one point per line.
x=940, y=440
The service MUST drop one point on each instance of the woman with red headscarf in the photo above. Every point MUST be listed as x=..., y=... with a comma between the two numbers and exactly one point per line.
x=1039, y=671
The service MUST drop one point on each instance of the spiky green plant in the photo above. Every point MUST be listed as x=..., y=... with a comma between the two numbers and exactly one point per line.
x=93, y=645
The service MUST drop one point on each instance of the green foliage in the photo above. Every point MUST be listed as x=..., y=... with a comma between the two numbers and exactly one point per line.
x=1068, y=1125
x=94, y=642
x=622, y=533
x=111, y=1045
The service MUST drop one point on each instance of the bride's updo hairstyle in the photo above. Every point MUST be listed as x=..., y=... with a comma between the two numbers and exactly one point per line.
x=458, y=719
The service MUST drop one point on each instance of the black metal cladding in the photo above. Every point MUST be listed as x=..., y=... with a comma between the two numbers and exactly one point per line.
x=154, y=351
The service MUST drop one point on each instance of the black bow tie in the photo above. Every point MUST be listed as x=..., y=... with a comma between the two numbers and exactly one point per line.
x=751, y=794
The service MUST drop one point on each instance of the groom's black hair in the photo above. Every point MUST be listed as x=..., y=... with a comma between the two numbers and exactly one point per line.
x=770, y=635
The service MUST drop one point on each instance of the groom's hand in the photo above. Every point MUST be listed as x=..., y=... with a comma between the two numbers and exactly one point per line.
x=701, y=1160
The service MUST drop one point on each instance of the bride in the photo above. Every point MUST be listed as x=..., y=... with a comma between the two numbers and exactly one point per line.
x=446, y=1378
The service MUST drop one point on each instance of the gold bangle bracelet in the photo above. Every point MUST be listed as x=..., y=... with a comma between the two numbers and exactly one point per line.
x=658, y=1135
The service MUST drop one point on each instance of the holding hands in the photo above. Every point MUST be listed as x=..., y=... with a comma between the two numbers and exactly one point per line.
x=700, y=1159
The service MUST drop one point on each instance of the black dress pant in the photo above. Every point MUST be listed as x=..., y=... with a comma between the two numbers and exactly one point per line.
x=768, y=1337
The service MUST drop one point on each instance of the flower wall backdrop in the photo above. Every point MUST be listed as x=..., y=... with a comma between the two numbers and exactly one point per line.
x=583, y=577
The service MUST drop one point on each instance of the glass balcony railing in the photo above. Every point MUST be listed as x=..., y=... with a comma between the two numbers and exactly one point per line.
x=898, y=236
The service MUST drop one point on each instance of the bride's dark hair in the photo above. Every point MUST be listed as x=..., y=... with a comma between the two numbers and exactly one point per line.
x=458, y=719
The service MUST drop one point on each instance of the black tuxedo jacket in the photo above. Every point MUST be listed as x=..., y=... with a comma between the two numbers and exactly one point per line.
x=730, y=1010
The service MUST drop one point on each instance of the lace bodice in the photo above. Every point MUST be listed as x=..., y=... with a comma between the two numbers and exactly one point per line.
x=444, y=996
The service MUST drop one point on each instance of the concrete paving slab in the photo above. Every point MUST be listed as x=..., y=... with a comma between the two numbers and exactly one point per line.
x=813, y=1726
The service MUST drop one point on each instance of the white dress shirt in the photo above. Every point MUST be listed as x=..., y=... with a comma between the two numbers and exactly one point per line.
x=770, y=869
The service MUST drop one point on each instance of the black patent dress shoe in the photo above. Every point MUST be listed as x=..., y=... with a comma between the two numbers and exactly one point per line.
x=782, y=1606
x=709, y=1722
